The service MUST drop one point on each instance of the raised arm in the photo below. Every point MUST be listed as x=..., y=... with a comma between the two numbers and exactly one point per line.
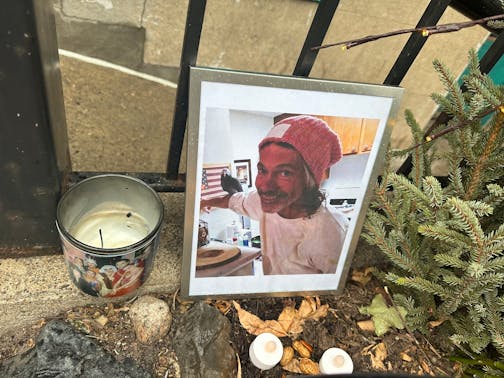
x=221, y=202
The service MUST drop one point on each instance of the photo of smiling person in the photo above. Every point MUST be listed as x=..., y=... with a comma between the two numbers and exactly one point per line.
x=299, y=233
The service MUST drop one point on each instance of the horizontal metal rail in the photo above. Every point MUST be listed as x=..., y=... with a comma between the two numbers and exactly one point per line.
x=156, y=180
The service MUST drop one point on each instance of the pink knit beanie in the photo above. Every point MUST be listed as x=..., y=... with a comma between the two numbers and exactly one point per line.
x=319, y=146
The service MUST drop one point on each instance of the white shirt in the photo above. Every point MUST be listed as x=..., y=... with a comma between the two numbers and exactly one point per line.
x=307, y=245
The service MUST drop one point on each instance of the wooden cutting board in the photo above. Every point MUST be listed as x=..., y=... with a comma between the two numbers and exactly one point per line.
x=215, y=254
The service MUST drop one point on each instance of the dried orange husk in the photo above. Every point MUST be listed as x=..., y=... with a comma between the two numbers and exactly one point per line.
x=308, y=366
x=287, y=356
x=303, y=348
x=292, y=366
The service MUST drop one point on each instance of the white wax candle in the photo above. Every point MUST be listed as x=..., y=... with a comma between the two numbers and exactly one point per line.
x=336, y=361
x=115, y=227
x=266, y=351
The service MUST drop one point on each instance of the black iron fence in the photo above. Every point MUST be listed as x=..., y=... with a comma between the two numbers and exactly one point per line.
x=34, y=157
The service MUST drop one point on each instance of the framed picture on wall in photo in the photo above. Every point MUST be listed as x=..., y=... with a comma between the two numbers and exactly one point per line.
x=304, y=156
x=243, y=171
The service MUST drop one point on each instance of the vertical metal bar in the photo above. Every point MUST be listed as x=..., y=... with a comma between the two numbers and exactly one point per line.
x=29, y=174
x=430, y=17
x=318, y=29
x=45, y=25
x=194, y=24
x=494, y=53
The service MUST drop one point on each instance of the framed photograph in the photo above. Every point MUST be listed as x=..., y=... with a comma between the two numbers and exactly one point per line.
x=309, y=150
x=243, y=171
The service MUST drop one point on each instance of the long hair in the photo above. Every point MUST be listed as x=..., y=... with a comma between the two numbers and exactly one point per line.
x=312, y=196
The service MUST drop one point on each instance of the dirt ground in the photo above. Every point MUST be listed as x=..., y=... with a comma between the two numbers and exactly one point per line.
x=396, y=352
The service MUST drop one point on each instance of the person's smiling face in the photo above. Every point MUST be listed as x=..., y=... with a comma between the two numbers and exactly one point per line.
x=280, y=180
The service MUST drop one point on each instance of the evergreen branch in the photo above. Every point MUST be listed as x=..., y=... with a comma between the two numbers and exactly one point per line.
x=403, y=183
x=495, y=322
x=480, y=85
x=455, y=99
x=455, y=177
x=376, y=235
x=425, y=31
x=381, y=195
x=417, y=159
x=487, y=283
x=496, y=236
x=495, y=194
x=495, y=162
x=494, y=250
x=468, y=222
x=480, y=208
x=445, y=104
x=445, y=259
x=489, y=149
x=445, y=234
x=420, y=284
x=452, y=280
x=433, y=189
x=477, y=104
x=451, y=304
x=476, y=269
x=495, y=264
x=407, y=257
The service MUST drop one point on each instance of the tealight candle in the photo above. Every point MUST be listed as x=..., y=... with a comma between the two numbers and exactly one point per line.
x=336, y=361
x=266, y=351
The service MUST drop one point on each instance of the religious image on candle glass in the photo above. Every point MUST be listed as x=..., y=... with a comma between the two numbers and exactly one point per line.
x=282, y=169
x=104, y=276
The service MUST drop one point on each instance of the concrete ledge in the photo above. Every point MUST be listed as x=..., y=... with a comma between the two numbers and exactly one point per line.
x=38, y=287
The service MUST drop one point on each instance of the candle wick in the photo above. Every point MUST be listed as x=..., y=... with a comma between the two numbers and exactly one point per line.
x=101, y=237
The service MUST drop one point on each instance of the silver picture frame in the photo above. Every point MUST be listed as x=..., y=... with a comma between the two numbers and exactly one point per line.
x=229, y=113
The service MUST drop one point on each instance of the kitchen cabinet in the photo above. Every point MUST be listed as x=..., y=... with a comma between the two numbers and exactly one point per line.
x=356, y=134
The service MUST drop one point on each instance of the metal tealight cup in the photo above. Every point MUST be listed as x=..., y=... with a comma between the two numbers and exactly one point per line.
x=109, y=226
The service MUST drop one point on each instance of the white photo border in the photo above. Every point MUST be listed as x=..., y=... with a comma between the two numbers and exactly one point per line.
x=257, y=92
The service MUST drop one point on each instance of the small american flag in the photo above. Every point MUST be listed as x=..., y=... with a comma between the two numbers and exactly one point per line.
x=211, y=181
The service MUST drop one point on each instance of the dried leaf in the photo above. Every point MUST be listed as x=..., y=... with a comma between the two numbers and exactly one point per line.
x=377, y=354
x=321, y=312
x=255, y=325
x=238, y=363
x=405, y=357
x=101, y=320
x=436, y=323
x=362, y=277
x=288, y=317
x=311, y=309
x=293, y=366
x=296, y=327
x=223, y=306
x=39, y=324
x=305, y=308
x=366, y=325
x=426, y=367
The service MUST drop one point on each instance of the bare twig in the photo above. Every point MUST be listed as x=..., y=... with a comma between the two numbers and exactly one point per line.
x=426, y=31
x=430, y=138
